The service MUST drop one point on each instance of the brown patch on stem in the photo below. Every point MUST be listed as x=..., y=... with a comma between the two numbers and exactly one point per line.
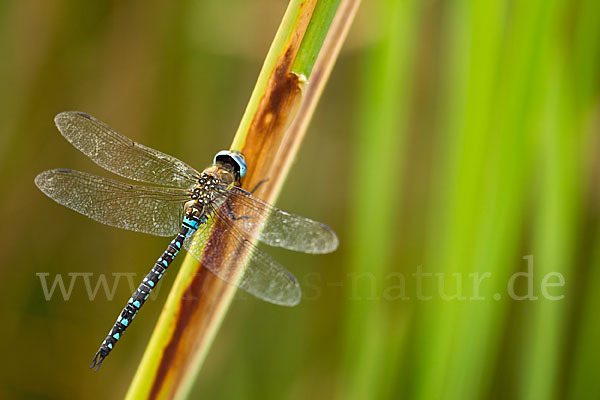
x=274, y=115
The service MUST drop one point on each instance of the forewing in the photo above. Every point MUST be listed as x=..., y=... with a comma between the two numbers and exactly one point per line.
x=121, y=155
x=280, y=228
x=223, y=250
x=157, y=211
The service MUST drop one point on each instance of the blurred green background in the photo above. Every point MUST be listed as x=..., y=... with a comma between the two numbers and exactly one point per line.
x=456, y=141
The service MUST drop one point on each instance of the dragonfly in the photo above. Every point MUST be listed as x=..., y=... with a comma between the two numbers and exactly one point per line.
x=207, y=213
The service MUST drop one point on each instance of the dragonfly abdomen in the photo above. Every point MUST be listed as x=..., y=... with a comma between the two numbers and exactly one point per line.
x=190, y=224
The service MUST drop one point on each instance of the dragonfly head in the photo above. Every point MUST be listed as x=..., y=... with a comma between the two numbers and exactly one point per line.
x=234, y=159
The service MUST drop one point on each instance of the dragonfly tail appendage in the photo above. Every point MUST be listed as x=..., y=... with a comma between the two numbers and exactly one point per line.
x=98, y=359
x=137, y=300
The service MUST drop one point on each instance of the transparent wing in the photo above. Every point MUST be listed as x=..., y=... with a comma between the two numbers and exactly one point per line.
x=281, y=229
x=121, y=155
x=157, y=211
x=222, y=249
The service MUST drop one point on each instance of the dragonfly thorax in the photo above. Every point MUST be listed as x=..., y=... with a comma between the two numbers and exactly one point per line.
x=204, y=191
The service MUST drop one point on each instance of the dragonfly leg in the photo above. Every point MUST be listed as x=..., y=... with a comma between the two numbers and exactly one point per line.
x=258, y=185
x=232, y=214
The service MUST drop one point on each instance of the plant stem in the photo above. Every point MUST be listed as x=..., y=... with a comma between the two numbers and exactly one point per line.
x=281, y=99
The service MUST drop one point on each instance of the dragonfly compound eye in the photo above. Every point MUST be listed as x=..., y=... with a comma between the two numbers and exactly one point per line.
x=235, y=159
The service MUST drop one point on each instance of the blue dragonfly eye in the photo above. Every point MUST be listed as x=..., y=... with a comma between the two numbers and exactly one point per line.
x=233, y=158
